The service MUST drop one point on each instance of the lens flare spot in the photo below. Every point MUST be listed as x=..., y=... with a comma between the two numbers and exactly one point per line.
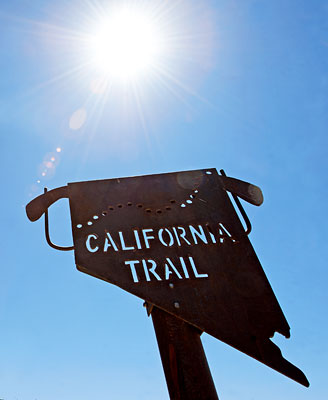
x=99, y=85
x=78, y=119
x=34, y=188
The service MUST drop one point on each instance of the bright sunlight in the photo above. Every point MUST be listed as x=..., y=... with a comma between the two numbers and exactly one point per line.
x=126, y=44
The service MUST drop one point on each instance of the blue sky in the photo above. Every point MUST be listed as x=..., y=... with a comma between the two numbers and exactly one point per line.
x=244, y=88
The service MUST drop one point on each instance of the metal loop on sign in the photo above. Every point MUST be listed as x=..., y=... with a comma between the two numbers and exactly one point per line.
x=240, y=208
x=46, y=229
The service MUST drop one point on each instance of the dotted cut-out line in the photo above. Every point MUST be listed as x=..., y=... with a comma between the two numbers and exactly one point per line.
x=139, y=205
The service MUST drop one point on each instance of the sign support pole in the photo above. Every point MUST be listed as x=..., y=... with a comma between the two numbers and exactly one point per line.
x=187, y=373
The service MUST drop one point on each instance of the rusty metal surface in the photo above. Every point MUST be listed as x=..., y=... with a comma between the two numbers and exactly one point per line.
x=175, y=240
x=187, y=373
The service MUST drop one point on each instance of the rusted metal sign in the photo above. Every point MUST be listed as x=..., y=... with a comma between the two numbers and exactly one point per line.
x=175, y=240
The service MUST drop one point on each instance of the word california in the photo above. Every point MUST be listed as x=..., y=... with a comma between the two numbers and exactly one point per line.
x=144, y=238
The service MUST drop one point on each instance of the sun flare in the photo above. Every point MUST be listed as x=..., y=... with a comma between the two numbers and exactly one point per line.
x=125, y=44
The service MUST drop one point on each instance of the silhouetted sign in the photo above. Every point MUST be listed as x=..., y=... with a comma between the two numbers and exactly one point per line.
x=175, y=240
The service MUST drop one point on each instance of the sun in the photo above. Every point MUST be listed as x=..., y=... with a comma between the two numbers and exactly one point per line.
x=126, y=44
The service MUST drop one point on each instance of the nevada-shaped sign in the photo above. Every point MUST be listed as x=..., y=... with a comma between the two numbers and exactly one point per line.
x=176, y=241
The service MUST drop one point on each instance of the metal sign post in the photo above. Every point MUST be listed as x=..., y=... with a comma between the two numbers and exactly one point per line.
x=183, y=358
x=176, y=241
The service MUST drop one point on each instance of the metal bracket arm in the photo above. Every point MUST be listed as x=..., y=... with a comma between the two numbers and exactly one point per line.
x=253, y=195
x=47, y=234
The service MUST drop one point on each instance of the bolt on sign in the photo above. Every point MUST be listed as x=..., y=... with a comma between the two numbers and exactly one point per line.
x=176, y=241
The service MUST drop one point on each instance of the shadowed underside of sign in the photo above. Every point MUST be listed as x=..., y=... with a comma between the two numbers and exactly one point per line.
x=175, y=240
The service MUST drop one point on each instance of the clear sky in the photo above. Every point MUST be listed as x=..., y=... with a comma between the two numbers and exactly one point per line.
x=240, y=85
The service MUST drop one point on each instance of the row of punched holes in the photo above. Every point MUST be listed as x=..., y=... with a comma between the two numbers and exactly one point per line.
x=148, y=210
